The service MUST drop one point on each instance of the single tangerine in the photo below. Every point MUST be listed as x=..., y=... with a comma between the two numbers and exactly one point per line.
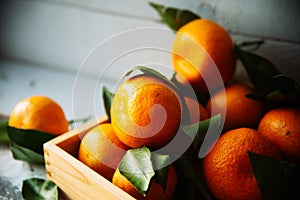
x=237, y=110
x=101, y=150
x=227, y=168
x=39, y=113
x=282, y=127
x=145, y=111
x=198, y=47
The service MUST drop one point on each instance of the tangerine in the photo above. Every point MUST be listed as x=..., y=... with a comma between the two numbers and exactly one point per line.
x=282, y=127
x=39, y=113
x=227, y=168
x=237, y=110
x=145, y=111
x=198, y=46
x=101, y=150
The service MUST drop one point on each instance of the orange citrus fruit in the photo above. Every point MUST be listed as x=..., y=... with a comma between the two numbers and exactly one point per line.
x=198, y=45
x=39, y=113
x=101, y=150
x=196, y=111
x=240, y=110
x=145, y=111
x=155, y=191
x=282, y=127
x=227, y=168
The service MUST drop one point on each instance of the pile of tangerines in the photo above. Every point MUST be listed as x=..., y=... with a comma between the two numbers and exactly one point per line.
x=147, y=111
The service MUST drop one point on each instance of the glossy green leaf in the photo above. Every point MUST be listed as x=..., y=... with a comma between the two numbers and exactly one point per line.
x=277, y=179
x=197, y=131
x=137, y=167
x=27, y=145
x=107, y=100
x=30, y=139
x=25, y=154
x=286, y=91
x=39, y=189
x=160, y=164
x=4, y=139
x=173, y=17
x=260, y=70
x=271, y=86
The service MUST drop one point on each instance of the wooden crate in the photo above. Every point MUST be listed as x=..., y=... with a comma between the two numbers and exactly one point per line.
x=75, y=179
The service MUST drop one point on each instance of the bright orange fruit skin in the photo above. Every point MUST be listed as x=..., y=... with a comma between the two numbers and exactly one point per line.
x=199, y=46
x=282, y=127
x=240, y=110
x=145, y=111
x=39, y=113
x=227, y=168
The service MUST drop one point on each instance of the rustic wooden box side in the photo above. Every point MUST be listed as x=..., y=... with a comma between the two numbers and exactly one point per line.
x=76, y=180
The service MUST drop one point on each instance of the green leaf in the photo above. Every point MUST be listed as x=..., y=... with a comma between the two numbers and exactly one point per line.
x=185, y=167
x=4, y=139
x=25, y=154
x=160, y=164
x=137, y=167
x=27, y=145
x=197, y=131
x=285, y=83
x=277, y=179
x=260, y=70
x=107, y=100
x=271, y=86
x=152, y=72
x=173, y=17
x=31, y=139
x=39, y=189
x=286, y=91
x=149, y=71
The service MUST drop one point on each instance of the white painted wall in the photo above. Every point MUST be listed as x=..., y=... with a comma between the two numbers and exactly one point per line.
x=61, y=33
